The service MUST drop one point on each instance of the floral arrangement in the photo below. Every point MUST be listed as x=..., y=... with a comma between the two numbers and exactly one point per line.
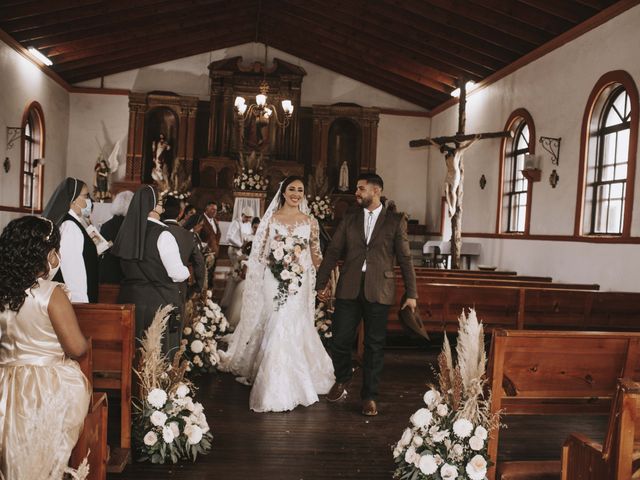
x=284, y=263
x=169, y=426
x=175, y=194
x=250, y=179
x=323, y=322
x=204, y=324
x=321, y=207
x=447, y=438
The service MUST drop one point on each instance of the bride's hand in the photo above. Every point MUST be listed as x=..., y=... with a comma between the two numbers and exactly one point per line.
x=324, y=294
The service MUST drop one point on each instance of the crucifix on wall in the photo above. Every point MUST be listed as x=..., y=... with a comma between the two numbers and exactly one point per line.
x=453, y=148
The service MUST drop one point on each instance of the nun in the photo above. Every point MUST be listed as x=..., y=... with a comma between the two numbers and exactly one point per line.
x=110, y=265
x=70, y=208
x=151, y=265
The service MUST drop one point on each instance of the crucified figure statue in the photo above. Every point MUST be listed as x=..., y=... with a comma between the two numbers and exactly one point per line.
x=453, y=148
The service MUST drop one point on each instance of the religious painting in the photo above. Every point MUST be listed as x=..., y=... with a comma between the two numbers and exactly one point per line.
x=257, y=134
x=160, y=143
x=343, y=166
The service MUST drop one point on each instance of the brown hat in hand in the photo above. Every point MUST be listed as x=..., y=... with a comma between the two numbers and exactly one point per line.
x=411, y=321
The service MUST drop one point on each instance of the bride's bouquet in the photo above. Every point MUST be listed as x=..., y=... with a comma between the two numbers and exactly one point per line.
x=285, y=265
x=169, y=426
x=447, y=438
x=204, y=324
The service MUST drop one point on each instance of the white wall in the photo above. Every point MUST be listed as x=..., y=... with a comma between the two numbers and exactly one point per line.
x=105, y=117
x=554, y=89
x=23, y=83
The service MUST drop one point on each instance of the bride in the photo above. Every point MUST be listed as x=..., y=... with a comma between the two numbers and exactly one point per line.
x=275, y=346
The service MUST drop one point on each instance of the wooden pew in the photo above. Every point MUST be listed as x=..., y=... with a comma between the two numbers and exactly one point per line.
x=584, y=459
x=108, y=293
x=504, y=282
x=112, y=329
x=93, y=438
x=522, y=307
x=555, y=373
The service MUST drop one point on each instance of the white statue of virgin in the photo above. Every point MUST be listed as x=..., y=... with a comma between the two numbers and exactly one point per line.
x=343, y=180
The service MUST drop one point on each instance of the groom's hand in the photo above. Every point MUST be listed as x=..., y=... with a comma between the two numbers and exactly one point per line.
x=411, y=303
x=324, y=294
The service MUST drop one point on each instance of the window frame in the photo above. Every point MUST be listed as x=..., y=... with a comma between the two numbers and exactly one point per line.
x=519, y=118
x=591, y=145
x=34, y=116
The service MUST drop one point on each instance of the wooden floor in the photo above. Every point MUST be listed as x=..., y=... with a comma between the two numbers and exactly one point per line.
x=327, y=441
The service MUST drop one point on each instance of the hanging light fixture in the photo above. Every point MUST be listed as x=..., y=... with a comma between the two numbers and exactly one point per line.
x=262, y=108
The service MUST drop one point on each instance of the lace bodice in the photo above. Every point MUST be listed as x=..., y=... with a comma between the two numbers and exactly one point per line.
x=307, y=229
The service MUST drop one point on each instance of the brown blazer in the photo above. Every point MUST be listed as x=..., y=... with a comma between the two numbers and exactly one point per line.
x=388, y=244
x=207, y=235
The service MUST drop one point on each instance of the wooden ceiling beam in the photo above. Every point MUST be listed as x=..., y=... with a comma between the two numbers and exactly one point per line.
x=180, y=50
x=433, y=46
x=132, y=50
x=119, y=39
x=381, y=34
x=389, y=60
x=596, y=5
x=431, y=35
x=9, y=12
x=355, y=67
x=468, y=31
x=510, y=11
x=489, y=18
x=574, y=13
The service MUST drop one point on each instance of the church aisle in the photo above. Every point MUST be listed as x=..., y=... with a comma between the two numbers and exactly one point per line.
x=319, y=442
x=329, y=441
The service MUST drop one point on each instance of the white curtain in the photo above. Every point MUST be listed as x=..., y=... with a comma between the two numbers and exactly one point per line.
x=242, y=202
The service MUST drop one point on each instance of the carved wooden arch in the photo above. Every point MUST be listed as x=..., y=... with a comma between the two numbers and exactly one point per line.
x=365, y=118
x=518, y=115
x=615, y=77
x=36, y=109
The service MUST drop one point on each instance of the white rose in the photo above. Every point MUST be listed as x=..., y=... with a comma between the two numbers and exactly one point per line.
x=411, y=456
x=158, y=418
x=200, y=328
x=417, y=441
x=481, y=432
x=477, y=468
x=157, y=397
x=448, y=472
x=278, y=254
x=167, y=434
x=187, y=330
x=182, y=390
x=406, y=437
x=194, y=434
x=196, y=346
x=442, y=409
x=196, y=408
x=421, y=418
x=428, y=464
x=175, y=429
x=285, y=275
x=431, y=398
x=150, y=439
x=462, y=428
x=476, y=443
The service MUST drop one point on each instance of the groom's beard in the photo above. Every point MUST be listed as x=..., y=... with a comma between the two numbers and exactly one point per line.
x=364, y=202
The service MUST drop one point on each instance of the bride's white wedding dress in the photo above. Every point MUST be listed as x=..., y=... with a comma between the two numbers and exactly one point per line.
x=276, y=347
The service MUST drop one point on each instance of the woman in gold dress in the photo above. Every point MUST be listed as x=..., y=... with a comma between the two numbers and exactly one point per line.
x=44, y=396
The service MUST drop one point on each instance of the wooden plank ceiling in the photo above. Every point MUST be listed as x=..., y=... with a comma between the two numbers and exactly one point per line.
x=413, y=49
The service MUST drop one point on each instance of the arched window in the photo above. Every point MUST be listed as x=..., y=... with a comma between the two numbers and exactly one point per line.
x=515, y=196
x=32, y=156
x=609, y=140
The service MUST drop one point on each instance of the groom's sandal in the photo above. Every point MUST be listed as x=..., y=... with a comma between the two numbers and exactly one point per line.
x=369, y=408
x=337, y=392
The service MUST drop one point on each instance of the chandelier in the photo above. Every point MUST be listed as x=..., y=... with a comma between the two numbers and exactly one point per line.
x=263, y=109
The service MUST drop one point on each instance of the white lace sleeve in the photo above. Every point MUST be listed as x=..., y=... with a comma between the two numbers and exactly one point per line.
x=314, y=243
x=263, y=253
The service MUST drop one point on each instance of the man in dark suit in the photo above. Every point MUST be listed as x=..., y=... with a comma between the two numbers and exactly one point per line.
x=210, y=234
x=369, y=240
x=187, y=244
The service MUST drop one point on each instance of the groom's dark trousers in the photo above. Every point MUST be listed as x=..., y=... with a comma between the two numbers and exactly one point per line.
x=366, y=295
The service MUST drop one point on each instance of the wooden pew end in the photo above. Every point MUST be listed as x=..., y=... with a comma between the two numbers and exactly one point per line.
x=118, y=459
x=530, y=470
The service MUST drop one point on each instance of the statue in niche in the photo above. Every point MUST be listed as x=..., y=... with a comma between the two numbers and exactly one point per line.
x=161, y=159
x=101, y=180
x=256, y=133
x=343, y=180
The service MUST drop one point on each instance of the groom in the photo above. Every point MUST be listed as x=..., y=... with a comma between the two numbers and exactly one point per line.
x=369, y=240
